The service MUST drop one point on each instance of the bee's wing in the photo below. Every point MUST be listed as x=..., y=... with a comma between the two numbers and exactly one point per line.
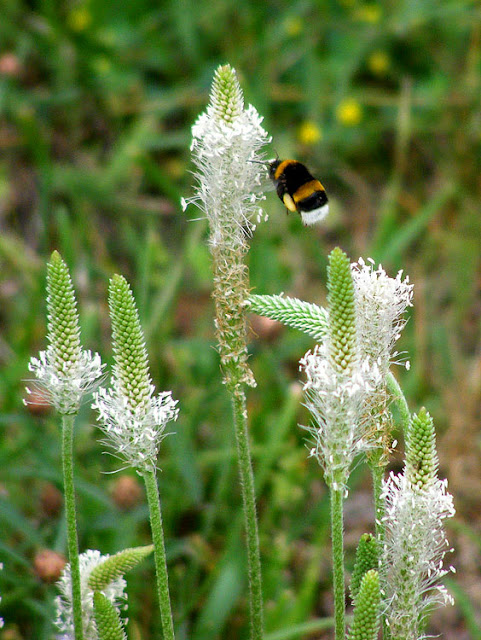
x=264, y=182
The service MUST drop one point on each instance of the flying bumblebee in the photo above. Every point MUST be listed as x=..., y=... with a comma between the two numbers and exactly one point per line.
x=299, y=190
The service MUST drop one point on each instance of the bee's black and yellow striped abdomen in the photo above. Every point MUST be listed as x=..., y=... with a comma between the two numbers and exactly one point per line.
x=299, y=190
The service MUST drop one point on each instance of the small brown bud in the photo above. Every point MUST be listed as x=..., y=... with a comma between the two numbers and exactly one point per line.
x=48, y=565
x=126, y=492
x=10, y=65
x=51, y=500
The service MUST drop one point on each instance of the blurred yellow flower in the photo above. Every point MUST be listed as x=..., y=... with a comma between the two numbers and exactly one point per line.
x=378, y=62
x=349, y=112
x=309, y=133
x=370, y=13
x=293, y=25
x=79, y=18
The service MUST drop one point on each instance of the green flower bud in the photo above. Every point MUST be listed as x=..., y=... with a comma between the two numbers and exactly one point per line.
x=342, y=312
x=421, y=456
x=366, y=559
x=366, y=612
x=107, y=620
x=116, y=566
x=226, y=95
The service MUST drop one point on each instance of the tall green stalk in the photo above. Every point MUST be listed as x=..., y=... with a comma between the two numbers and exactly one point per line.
x=331, y=398
x=337, y=535
x=159, y=553
x=250, y=516
x=72, y=540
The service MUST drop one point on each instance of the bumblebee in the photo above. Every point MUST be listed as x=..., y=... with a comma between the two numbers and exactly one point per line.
x=299, y=190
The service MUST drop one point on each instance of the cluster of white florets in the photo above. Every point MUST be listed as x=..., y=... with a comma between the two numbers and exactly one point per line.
x=64, y=383
x=135, y=431
x=380, y=304
x=415, y=544
x=337, y=402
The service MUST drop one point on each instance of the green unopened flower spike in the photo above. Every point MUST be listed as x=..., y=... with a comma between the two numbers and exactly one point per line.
x=366, y=611
x=107, y=620
x=64, y=371
x=342, y=313
x=116, y=566
x=366, y=559
x=226, y=96
x=131, y=416
x=421, y=456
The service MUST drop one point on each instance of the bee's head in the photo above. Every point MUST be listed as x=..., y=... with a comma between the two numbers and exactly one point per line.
x=273, y=164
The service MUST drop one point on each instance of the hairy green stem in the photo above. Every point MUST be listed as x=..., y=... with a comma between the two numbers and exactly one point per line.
x=72, y=539
x=377, y=472
x=400, y=400
x=250, y=517
x=337, y=533
x=153, y=498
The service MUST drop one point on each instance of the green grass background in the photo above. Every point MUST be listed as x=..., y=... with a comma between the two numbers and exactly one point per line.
x=96, y=103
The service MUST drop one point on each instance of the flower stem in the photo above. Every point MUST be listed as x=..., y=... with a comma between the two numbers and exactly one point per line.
x=337, y=500
x=250, y=518
x=400, y=400
x=72, y=539
x=377, y=472
x=159, y=553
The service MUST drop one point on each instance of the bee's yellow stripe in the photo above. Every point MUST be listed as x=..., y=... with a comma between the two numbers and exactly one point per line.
x=307, y=190
x=280, y=169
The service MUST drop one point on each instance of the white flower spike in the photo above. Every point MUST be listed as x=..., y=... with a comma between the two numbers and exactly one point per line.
x=131, y=416
x=226, y=144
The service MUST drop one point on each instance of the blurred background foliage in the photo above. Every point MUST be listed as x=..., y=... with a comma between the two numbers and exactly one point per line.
x=382, y=100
